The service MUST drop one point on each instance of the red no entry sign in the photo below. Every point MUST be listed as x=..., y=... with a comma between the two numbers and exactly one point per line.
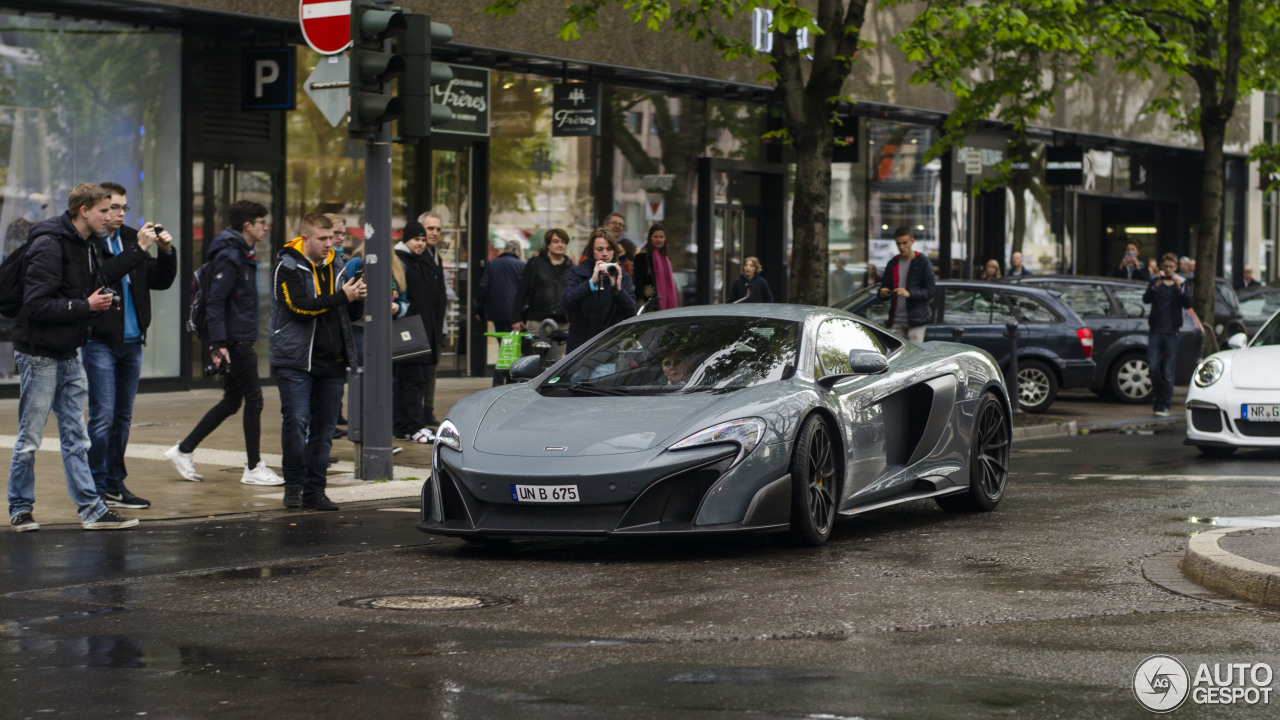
x=326, y=24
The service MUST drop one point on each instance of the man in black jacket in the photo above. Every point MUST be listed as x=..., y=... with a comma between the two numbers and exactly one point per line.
x=908, y=282
x=113, y=356
x=311, y=347
x=1167, y=294
x=232, y=329
x=61, y=291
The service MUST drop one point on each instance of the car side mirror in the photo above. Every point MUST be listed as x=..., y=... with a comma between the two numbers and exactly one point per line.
x=861, y=362
x=1237, y=341
x=526, y=368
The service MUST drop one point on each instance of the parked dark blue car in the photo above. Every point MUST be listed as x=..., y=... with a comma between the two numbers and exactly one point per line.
x=1054, y=344
x=1114, y=311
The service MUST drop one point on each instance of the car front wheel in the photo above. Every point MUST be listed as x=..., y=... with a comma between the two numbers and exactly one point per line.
x=1130, y=380
x=813, y=483
x=1037, y=386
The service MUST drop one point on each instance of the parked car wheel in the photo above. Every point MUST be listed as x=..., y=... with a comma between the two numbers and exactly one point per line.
x=988, y=460
x=813, y=484
x=1217, y=451
x=1037, y=386
x=1130, y=379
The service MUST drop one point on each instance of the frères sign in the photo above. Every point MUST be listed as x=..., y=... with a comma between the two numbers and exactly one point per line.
x=575, y=110
x=467, y=95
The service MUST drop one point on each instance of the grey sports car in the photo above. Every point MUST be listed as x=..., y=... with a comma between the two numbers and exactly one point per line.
x=723, y=419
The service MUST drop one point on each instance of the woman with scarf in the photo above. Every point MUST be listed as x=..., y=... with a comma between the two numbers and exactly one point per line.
x=654, y=279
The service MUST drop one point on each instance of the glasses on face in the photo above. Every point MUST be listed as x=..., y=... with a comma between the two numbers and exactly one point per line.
x=119, y=208
x=260, y=221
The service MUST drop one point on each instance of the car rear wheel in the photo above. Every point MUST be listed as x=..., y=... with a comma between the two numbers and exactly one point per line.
x=988, y=460
x=1130, y=380
x=1037, y=386
x=813, y=483
x=1217, y=451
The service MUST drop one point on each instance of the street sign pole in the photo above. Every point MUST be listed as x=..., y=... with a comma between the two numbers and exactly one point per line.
x=376, y=450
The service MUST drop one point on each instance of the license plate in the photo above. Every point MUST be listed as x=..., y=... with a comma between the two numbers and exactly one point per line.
x=545, y=493
x=1260, y=413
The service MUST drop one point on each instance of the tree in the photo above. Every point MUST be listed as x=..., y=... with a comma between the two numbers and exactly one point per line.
x=807, y=84
x=1012, y=60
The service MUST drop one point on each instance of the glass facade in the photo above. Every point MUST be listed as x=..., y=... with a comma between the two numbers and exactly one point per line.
x=90, y=101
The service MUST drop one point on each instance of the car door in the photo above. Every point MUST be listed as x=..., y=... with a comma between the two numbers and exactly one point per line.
x=867, y=425
x=979, y=312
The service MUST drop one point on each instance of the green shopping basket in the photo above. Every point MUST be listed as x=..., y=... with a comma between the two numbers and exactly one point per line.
x=508, y=347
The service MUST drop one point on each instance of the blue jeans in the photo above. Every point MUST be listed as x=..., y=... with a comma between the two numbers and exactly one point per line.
x=1162, y=356
x=309, y=405
x=113, y=384
x=58, y=386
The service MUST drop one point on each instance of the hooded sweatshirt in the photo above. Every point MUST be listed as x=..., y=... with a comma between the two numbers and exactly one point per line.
x=310, y=314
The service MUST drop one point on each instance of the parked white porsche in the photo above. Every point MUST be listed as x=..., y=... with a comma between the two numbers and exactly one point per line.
x=1234, y=399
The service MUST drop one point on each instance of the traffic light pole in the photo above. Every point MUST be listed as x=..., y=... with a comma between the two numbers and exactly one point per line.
x=375, y=452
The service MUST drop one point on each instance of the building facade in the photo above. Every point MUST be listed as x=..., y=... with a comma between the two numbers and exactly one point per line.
x=187, y=104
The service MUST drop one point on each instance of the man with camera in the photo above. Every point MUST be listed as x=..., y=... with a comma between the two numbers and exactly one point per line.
x=62, y=289
x=113, y=356
x=598, y=293
x=311, y=346
x=1167, y=294
x=232, y=329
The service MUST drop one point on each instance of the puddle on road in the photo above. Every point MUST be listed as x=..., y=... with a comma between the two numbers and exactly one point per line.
x=251, y=573
x=1246, y=521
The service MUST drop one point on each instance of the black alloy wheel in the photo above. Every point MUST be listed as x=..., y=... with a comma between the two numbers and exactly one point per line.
x=988, y=460
x=813, y=483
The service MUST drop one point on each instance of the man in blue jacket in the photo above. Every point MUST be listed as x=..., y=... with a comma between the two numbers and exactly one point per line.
x=909, y=285
x=232, y=329
x=113, y=356
x=62, y=289
x=1167, y=294
x=311, y=346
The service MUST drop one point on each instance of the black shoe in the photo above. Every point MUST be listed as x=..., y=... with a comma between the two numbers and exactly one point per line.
x=293, y=497
x=339, y=433
x=319, y=502
x=23, y=522
x=110, y=520
x=432, y=422
x=342, y=420
x=333, y=460
x=125, y=499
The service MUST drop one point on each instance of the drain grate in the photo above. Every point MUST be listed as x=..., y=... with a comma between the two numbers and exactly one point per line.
x=433, y=602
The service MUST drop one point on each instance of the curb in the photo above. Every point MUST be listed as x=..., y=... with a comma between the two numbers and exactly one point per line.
x=1208, y=565
x=1036, y=432
x=1134, y=423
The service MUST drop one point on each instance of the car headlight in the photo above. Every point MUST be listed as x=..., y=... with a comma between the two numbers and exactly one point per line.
x=1208, y=372
x=745, y=433
x=448, y=436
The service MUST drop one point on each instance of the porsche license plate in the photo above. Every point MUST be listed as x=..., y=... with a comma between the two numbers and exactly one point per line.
x=1260, y=413
x=544, y=493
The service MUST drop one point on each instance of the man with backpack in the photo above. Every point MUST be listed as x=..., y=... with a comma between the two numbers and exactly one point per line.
x=231, y=329
x=113, y=356
x=62, y=289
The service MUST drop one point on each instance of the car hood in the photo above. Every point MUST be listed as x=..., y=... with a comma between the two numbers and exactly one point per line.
x=524, y=423
x=1253, y=368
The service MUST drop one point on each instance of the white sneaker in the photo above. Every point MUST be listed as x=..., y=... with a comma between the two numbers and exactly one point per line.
x=260, y=475
x=183, y=463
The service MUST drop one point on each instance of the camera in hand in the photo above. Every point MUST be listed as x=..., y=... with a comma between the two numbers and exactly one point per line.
x=612, y=269
x=158, y=229
x=210, y=369
x=116, y=302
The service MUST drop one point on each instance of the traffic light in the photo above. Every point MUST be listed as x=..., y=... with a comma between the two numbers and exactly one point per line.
x=420, y=75
x=372, y=68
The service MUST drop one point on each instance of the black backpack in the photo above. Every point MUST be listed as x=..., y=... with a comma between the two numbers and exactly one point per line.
x=11, y=272
x=201, y=287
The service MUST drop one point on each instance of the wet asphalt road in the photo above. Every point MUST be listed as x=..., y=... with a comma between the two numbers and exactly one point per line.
x=1040, y=609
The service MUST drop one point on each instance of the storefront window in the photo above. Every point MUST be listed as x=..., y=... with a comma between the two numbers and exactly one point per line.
x=904, y=190
x=91, y=102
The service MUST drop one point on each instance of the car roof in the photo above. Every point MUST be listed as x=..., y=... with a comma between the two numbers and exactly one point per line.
x=777, y=311
x=1121, y=282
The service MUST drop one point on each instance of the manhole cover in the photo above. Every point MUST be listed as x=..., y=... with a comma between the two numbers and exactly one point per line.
x=440, y=601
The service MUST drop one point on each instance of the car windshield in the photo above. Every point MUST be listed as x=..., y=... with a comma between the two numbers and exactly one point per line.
x=664, y=355
x=1269, y=334
x=1260, y=306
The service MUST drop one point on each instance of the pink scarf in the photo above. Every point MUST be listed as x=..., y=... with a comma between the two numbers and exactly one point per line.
x=665, y=281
